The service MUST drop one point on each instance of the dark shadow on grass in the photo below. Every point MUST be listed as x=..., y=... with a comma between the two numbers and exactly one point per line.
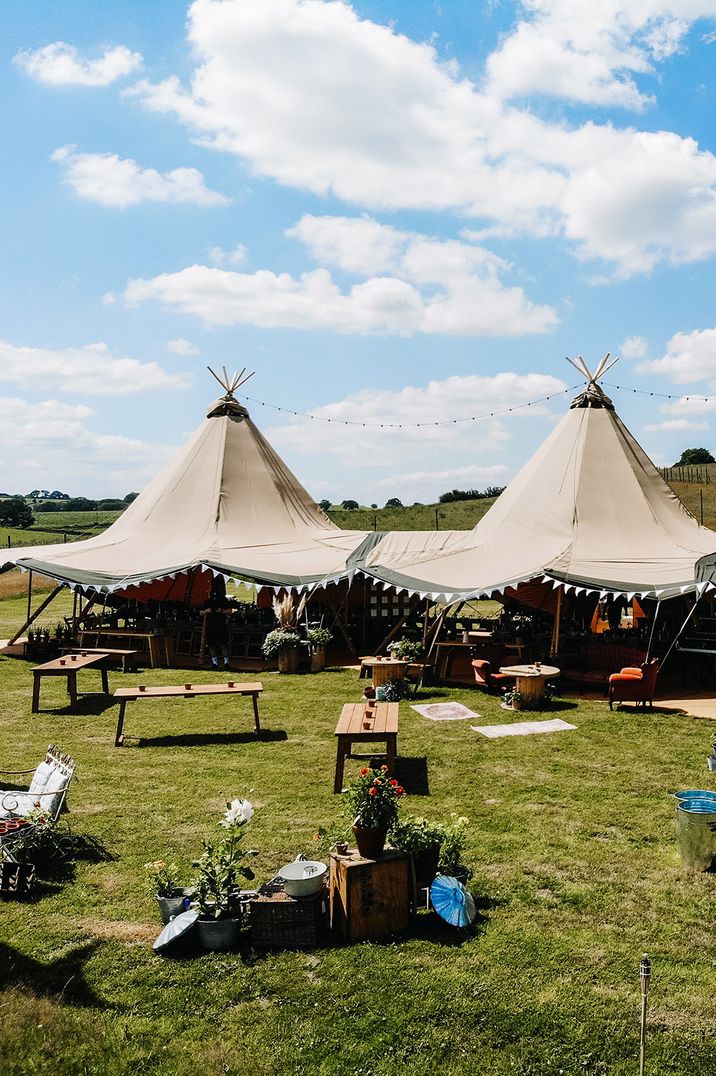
x=412, y=773
x=89, y=705
x=203, y=739
x=56, y=862
x=62, y=978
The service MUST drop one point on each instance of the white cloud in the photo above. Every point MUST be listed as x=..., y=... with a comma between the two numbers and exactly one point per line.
x=634, y=347
x=400, y=129
x=182, y=347
x=48, y=440
x=425, y=286
x=112, y=181
x=60, y=64
x=676, y=425
x=91, y=370
x=689, y=357
x=385, y=457
x=219, y=256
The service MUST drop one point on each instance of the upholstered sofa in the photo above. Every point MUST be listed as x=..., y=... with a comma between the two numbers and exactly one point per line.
x=594, y=663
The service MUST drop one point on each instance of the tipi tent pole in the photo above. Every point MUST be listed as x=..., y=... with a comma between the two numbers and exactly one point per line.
x=651, y=633
x=340, y=624
x=29, y=594
x=676, y=638
x=554, y=645
x=396, y=627
x=50, y=597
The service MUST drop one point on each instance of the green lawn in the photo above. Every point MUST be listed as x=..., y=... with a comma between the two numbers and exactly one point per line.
x=575, y=874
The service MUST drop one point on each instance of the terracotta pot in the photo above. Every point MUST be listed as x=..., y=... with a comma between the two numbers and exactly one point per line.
x=288, y=660
x=370, y=840
x=218, y=934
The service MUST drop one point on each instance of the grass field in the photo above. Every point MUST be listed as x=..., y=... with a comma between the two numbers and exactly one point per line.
x=575, y=875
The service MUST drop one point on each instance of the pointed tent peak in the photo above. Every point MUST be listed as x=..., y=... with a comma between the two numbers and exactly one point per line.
x=593, y=395
x=228, y=404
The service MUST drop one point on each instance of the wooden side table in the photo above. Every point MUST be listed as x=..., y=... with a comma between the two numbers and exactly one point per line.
x=362, y=722
x=369, y=897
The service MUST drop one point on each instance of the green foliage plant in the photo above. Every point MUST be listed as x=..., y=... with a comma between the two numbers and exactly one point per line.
x=279, y=640
x=417, y=835
x=318, y=637
x=373, y=798
x=163, y=877
x=453, y=846
x=406, y=650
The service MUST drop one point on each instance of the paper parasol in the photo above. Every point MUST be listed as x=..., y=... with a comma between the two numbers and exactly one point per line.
x=452, y=901
x=177, y=927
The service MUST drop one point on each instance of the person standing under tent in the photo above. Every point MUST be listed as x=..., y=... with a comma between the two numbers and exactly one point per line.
x=217, y=609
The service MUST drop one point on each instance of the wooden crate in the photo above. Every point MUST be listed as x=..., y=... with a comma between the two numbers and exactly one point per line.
x=369, y=898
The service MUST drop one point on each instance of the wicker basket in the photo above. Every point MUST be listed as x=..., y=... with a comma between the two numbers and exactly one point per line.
x=16, y=879
x=278, y=921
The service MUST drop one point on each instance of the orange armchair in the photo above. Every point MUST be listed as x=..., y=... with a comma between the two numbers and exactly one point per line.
x=485, y=678
x=634, y=685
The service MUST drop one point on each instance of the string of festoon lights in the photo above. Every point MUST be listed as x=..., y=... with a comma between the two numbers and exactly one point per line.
x=412, y=425
x=660, y=395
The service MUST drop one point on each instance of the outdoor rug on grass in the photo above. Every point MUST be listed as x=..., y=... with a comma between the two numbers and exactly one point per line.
x=522, y=728
x=445, y=711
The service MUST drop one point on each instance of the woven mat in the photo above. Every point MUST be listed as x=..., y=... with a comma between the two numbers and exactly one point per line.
x=445, y=711
x=522, y=728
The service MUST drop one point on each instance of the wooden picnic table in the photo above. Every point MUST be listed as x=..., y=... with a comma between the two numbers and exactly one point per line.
x=123, y=695
x=362, y=722
x=69, y=667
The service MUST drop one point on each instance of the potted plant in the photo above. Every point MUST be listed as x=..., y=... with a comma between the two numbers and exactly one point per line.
x=283, y=645
x=219, y=868
x=422, y=839
x=164, y=883
x=318, y=640
x=373, y=803
x=711, y=759
x=452, y=849
x=514, y=699
x=406, y=650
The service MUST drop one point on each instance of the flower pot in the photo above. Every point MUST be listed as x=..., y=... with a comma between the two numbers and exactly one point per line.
x=711, y=762
x=369, y=692
x=426, y=866
x=218, y=934
x=517, y=704
x=370, y=840
x=173, y=905
x=318, y=659
x=288, y=660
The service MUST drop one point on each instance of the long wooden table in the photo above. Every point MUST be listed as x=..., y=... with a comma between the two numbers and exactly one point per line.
x=151, y=637
x=123, y=695
x=69, y=667
x=362, y=722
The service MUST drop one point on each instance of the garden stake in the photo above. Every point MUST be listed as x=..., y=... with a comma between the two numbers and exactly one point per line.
x=644, y=975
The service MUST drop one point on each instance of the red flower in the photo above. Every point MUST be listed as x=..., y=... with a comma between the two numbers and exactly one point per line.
x=393, y=783
x=364, y=772
x=372, y=791
x=400, y=791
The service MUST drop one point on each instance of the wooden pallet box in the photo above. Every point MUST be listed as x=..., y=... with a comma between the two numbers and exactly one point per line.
x=369, y=898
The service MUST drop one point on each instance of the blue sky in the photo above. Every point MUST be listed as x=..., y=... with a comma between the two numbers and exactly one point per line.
x=393, y=212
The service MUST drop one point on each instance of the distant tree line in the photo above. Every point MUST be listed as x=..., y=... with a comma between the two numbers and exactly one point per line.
x=470, y=494
x=85, y=504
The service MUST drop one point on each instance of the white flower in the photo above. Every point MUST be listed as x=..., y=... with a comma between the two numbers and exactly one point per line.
x=237, y=813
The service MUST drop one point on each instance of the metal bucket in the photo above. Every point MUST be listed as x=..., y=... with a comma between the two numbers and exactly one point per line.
x=695, y=794
x=696, y=833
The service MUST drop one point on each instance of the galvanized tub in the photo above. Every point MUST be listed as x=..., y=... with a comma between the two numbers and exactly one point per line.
x=696, y=832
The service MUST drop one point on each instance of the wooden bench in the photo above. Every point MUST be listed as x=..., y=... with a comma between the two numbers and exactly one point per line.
x=127, y=657
x=362, y=722
x=123, y=695
x=150, y=637
x=68, y=667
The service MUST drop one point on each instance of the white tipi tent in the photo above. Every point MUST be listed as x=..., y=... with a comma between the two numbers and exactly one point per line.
x=225, y=502
x=588, y=510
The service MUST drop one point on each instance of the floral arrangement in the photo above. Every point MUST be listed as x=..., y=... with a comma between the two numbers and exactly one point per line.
x=392, y=691
x=373, y=798
x=163, y=877
x=279, y=639
x=220, y=866
x=406, y=650
x=513, y=696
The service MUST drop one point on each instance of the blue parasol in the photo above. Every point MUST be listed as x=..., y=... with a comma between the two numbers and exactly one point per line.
x=177, y=927
x=452, y=901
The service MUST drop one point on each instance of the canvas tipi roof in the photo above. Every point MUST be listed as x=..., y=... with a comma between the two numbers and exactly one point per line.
x=589, y=509
x=225, y=502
